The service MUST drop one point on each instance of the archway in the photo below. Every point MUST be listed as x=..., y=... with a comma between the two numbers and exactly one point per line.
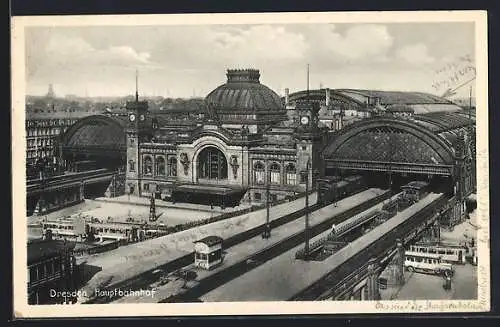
x=212, y=164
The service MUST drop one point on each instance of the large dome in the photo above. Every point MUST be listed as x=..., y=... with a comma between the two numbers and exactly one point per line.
x=244, y=100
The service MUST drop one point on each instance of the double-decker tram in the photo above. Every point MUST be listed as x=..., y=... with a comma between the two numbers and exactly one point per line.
x=59, y=230
x=451, y=253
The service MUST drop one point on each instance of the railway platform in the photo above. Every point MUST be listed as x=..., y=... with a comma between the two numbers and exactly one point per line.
x=246, y=249
x=128, y=261
x=283, y=277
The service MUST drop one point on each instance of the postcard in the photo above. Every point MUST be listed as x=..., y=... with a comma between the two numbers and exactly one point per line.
x=249, y=164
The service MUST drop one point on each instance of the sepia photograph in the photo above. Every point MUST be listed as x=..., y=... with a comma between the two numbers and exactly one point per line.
x=285, y=163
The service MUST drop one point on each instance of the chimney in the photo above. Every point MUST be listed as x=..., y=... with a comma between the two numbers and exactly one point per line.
x=327, y=97
x=287, y=96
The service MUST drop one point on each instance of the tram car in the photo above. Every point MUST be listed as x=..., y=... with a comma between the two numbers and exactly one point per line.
x=122, y=232
x=60, y=230
x=334, y=188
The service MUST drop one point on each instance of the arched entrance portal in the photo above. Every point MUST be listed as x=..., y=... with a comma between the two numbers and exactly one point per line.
x=212, y=164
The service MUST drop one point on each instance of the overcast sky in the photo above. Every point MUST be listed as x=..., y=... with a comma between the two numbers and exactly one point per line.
x=182, y=61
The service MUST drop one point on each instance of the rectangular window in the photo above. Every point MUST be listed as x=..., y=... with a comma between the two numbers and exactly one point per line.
x=258, y=196
x=259, y=177
x=291, y=178
x=57, y=265
x=274, y=197
x=33, y=276
x=50, y=267
x=131, y=165
x=146, y=187
x=275, y=177
x=41, y=271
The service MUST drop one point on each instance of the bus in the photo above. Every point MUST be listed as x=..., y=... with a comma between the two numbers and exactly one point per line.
x=450, y=253
x=427, y=263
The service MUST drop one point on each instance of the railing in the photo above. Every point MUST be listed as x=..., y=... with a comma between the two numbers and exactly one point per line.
x=407, y=231
x=65, y=180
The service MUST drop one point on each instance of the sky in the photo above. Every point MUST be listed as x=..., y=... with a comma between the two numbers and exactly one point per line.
x=185, y=61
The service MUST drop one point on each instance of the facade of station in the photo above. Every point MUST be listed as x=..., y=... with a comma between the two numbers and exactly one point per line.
x=248, y=140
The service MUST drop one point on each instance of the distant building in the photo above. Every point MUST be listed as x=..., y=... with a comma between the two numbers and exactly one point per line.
x=43, y=130
x=51, y=93
x=51, y=271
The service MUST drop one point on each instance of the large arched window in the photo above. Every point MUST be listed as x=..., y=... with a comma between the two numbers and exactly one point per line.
x=172, y=166
x=275, y=171
x=148, y=166
x=259, y=173
x=160, y=166
x=290, y=174
x=212, y=164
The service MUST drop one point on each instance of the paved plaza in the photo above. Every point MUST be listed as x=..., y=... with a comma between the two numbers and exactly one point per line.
x=419, y=286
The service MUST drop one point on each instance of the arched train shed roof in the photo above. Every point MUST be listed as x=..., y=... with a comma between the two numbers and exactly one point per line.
x=423, y=144
x=96, y=135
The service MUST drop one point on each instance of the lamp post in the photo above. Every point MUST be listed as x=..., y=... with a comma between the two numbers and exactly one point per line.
x=306, y=231
x=267, y=230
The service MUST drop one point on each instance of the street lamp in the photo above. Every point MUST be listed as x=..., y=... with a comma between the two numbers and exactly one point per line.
x=306, y=231
x=267, y=230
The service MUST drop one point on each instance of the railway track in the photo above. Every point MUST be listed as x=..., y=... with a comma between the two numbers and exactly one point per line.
x=375, y=250
x=251, y=262
x=146, y=278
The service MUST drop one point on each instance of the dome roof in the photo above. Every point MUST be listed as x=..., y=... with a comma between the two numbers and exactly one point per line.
x=244, y=98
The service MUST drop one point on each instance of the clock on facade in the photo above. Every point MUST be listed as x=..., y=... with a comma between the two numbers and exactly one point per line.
x=304, y=120
x=141, y=117
x=131, y=117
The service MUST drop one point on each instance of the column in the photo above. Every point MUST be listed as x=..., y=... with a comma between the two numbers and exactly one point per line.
x=364, y=293
x=373, y=293
x=437, y=230
x=82, y=189
x=400, y=259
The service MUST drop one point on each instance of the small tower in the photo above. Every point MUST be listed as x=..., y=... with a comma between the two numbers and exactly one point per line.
x=309, y=138
x=137, y=112
x=51, y=93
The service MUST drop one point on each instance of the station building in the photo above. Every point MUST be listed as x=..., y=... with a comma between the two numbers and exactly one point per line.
x=247, y=140
x=242, y=145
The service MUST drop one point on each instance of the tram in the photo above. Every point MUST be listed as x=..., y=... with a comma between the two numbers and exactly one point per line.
x=123, y=232
x=59, y=230
x=448, y=252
